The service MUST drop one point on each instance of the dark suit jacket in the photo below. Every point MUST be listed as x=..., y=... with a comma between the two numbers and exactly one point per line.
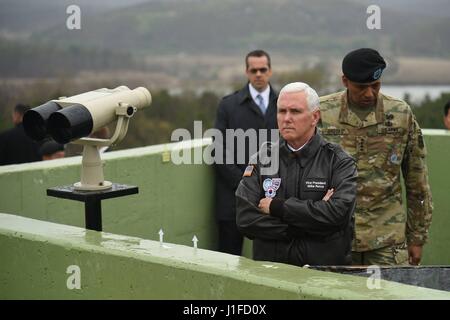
x=238, y=111
x=17, y=147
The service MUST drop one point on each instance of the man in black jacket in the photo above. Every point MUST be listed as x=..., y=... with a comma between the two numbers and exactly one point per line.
x=303, y=213
x=251, y=108
x=15, y=146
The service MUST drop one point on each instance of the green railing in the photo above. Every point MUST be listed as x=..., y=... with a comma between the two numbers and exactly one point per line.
x=43, y=260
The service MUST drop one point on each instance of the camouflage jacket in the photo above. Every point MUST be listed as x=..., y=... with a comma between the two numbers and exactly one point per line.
x=387, y=142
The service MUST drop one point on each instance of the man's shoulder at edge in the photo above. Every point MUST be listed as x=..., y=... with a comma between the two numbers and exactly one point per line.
x=336, y=96
x=337, y=149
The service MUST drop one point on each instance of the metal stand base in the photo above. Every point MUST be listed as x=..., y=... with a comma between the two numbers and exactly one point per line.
x=81, y=187
x=92, y=200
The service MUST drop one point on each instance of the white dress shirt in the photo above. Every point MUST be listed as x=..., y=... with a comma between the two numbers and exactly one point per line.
x=265, y=94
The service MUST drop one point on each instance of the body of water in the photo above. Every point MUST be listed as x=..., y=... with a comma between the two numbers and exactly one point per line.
x=416, y=92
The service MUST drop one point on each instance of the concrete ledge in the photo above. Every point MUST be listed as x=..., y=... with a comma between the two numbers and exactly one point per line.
x=36, y=254
x=436, y=132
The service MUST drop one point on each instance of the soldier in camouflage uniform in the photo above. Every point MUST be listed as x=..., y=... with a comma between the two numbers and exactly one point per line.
x=382, y=134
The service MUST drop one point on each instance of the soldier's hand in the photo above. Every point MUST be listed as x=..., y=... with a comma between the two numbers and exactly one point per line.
x=264, y=205
x=328, y=195
x=415, y=254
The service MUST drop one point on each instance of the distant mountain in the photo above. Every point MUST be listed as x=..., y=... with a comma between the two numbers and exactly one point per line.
x=431, y=8
x=26, y=16
x=115, y=34
x=234, y=26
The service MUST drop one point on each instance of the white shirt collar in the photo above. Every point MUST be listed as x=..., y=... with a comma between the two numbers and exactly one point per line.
x=265, y=94
x=295, y=150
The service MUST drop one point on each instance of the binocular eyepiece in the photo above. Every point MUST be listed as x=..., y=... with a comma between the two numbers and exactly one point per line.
x=75, y=117
x=35, y=120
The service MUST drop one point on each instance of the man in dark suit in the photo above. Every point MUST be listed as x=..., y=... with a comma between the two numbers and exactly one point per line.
x=251, y=108
x=15, y=145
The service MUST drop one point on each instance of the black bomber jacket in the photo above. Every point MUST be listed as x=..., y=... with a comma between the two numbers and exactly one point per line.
x=301, y=227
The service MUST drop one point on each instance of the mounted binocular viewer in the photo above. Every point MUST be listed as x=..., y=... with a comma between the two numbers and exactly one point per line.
x=73, y=119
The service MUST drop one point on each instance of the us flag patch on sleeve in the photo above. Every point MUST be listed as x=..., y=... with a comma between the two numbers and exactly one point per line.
x=248, y=171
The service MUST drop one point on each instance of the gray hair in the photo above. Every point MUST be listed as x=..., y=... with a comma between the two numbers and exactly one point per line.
x=312, y=98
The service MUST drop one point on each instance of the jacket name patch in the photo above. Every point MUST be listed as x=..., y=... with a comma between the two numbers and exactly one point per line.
x=315, y=184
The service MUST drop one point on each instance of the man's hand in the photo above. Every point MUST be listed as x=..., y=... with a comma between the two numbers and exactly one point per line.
x=264, y=205
x=328, y=195
x=414, y=254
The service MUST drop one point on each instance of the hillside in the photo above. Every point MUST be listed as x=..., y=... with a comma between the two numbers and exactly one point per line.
x=114, y=34
x=197, y=26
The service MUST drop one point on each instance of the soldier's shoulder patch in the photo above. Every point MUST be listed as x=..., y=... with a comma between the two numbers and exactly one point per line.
x=248, y=171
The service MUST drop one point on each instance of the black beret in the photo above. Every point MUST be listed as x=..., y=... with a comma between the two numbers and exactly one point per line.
x=363, y=65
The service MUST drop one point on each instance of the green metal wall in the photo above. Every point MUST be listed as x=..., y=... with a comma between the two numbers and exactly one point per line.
x=178, y=198
x=437, y=252
x=35, y=257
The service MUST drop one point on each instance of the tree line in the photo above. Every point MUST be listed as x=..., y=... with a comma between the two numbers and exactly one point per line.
x=155, y=124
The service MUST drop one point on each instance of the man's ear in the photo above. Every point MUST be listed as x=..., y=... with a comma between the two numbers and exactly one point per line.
x=344, y=81
x=316, y=117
